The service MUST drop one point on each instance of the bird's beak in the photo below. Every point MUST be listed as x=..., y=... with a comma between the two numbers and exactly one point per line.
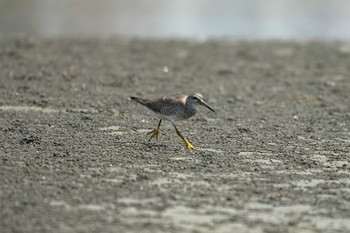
x=206, y=105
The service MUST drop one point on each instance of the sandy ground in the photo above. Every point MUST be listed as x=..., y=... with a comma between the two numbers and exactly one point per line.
x=75, y=156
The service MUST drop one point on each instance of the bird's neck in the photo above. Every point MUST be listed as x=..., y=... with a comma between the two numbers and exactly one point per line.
x=191, y=109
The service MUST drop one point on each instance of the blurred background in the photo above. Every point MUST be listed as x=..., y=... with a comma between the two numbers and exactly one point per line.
x=247, y=19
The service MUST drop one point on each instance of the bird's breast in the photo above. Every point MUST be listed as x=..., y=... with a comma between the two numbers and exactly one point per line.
x=175, y=113
x=189, y=111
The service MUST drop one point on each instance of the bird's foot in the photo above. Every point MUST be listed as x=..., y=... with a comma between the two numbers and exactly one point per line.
x=189, y=145
x=154, y=133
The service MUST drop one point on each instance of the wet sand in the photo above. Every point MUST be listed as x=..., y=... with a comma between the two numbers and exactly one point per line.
x=75, y=156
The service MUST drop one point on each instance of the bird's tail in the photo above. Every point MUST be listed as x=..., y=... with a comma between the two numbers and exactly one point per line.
x=139, y=100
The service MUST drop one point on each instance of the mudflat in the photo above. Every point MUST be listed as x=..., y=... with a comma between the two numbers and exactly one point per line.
x=75, y=157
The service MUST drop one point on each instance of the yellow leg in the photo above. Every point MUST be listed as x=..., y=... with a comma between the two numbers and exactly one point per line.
x=188, y=144
x=155, y=132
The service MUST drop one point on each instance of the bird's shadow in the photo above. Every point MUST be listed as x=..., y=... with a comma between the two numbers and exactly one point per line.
x=154, y=145
x=147, y=144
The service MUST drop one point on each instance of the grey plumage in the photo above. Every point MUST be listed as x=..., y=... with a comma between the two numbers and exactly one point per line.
x=173, y=108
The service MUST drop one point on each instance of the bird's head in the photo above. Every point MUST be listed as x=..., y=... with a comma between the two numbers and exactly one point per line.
x=196, y=98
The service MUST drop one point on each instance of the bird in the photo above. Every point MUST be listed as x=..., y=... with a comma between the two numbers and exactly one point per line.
x=173, y=108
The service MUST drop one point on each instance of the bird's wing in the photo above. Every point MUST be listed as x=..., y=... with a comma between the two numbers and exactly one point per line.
x=160, y=104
